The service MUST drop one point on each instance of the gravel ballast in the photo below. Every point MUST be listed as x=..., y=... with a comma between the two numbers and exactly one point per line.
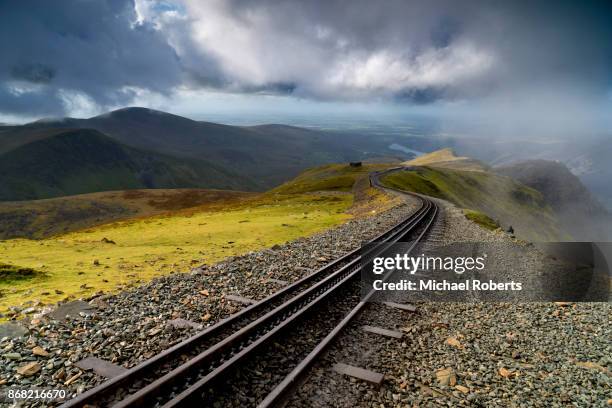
x=472, y=354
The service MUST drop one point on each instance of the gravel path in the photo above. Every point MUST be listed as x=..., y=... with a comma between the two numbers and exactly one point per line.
x=472, y=354
x=132, y=326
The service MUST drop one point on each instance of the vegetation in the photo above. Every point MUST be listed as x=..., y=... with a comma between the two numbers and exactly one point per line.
x=82, y=161
x=198, y=154
x=120, y=254
x=43, y=218
x=336, y=177
x=11, y=273
x=498, y=197
x=446, y=158
x=173, y=231
x=481, y=219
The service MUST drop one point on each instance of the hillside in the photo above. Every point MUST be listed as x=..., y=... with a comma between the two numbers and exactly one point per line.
x=268, y=154
x=578, y=211
x=499, y=197
x=163, y=232
x=67, y=162
x=39, y=219
x=446, y=158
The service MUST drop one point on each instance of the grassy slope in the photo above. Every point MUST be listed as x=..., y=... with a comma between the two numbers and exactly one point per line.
x=147, y=247
x=446, y=158
x=153, y=246
x=43, y=218
x=337, y=177
x=497, y=196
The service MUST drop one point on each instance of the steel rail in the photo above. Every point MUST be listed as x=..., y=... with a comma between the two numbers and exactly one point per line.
x=141, y=372
x=281, y=392
x=215, y=361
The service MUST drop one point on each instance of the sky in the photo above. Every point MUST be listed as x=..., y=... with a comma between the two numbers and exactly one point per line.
x=520, y=66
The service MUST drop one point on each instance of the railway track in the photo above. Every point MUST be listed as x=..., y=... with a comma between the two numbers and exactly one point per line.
x=180, y=375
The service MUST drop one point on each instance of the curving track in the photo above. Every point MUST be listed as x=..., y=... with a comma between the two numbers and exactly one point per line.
x=185, y=373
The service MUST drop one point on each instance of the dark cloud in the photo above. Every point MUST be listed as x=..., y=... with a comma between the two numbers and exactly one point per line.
x=94, y=49
x=56, y=54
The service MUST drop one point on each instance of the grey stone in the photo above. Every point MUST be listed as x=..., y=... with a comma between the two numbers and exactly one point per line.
x=101, y=367
x=13, y=330
x=71, y=308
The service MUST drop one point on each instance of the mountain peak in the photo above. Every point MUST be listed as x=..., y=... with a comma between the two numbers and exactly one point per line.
x=138, y=113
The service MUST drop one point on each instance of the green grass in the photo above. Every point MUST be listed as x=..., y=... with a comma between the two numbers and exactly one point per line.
x=44, y=218
x=159, y=245
x=11, y=273
x=496, y=196
x=481, y=219
x=332, y=177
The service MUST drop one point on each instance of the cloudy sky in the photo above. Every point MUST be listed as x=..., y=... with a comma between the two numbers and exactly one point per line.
x=510, y=61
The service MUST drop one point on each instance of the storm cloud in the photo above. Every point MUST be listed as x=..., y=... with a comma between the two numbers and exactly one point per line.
x=80, y=55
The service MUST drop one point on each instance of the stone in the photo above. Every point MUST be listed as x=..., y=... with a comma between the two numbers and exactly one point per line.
x=446, y=376
x=39, y=351
x=452, y=341
x=71, y=308
x=101, y=367
x=29, y=369
x=461, y=388
x=12, y=356
x=13, y=330
x=183, y=324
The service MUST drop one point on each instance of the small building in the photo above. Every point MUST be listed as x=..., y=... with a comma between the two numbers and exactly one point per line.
x=355, y=164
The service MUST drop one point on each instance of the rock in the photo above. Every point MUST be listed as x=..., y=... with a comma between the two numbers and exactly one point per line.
x=183, y=324
x=13, y=330
x=29, y=369
x=204, y=292
x=60, y=374
x=96, y=262
x=461, y=388
x=58, y=292
x=12, y=356
x=452, y=341
x=72, y=309
x=504, y=372
x=516, y=355
x=39, y=351
x=446, y=376
x=101, y=367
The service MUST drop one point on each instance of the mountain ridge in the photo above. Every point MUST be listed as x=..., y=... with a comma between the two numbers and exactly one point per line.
x=267, y=155
x=75, y=161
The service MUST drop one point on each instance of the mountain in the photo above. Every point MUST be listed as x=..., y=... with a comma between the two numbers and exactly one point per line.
x=267, y=154
x=578, y=211
x=60, y=162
